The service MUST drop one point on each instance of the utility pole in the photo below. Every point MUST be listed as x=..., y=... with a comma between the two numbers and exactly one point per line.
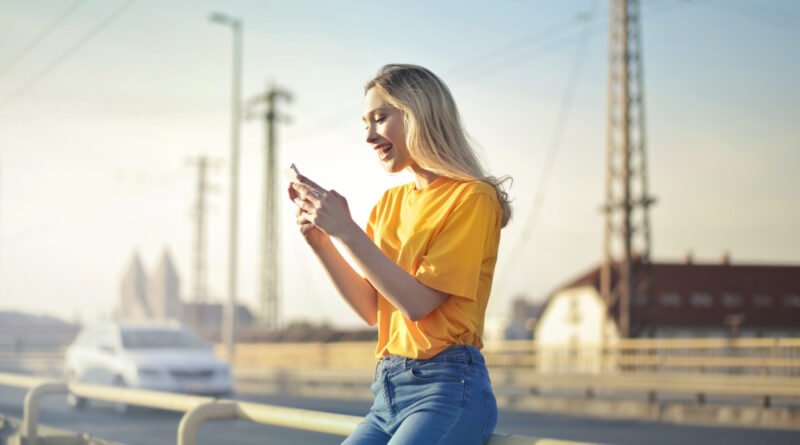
x=2, y=294
x=200, y=276
x=229, y=316
x=626, y=244
x=269, y=272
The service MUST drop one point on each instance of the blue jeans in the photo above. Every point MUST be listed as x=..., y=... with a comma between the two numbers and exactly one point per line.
x=446, y=399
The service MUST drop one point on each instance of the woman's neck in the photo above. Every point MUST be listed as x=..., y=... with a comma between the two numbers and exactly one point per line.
x=423, y=178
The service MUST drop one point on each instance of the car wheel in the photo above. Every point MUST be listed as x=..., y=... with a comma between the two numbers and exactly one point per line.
x=119, y=407
x=74, y=401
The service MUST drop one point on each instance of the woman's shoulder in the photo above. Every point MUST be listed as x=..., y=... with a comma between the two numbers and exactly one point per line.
x=476, y=189
x=480, y=187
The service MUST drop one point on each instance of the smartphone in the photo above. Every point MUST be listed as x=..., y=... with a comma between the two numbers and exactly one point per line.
x=291, y=173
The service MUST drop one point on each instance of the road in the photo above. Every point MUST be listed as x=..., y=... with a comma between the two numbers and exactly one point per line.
x=153, y=427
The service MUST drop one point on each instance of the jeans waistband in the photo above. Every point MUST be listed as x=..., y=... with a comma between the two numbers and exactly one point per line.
x=456, y=353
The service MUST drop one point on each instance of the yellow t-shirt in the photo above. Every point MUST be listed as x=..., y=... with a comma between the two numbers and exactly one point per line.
x=446, y=235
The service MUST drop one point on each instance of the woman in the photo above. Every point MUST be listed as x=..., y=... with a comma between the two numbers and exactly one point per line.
x=427, y=258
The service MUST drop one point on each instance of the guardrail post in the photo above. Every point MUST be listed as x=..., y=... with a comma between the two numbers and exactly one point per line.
x=187, y=430
x=30, y=417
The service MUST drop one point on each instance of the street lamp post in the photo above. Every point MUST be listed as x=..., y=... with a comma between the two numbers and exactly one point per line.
x=229, y=317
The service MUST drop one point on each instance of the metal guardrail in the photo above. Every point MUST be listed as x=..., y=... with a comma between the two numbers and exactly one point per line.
x=316, y=381
x=713, y=356
x=199, y=409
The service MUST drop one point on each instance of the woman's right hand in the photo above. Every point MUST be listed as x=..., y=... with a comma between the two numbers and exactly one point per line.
x=312, y=234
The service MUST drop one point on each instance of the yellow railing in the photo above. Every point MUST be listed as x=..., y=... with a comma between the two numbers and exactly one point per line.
x=199, y=409
x=763, y=357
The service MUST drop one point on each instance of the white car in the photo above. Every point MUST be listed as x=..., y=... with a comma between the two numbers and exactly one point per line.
x=146, y=355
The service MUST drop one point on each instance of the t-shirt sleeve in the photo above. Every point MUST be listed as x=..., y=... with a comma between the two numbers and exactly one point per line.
x=370, y=228
x=453, y=261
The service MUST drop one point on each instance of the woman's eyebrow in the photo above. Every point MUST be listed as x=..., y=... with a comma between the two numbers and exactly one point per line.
x=383, y=108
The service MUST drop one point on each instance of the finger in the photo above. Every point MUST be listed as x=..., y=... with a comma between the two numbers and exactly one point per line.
x=308, y=193
x=292, y=192
x=304, y=205
x=303, y=220
x=311, y=184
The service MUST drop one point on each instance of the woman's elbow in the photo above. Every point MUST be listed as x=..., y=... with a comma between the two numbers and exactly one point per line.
x=417, y=315
x=371, y=321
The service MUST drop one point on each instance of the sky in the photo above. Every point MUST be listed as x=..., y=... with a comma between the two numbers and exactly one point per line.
x=100, y=117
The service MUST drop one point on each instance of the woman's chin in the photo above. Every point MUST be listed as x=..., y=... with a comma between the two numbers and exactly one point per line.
x=389, y=166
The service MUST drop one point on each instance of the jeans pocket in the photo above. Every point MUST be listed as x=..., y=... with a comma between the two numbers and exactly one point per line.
x=437, y=372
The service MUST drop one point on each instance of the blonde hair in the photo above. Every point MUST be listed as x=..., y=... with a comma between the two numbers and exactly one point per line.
x=435, y=137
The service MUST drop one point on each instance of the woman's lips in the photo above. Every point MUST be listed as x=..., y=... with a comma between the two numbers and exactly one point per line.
x=384, y=150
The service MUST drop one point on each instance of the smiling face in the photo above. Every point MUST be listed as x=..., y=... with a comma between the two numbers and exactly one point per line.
x=386, y=132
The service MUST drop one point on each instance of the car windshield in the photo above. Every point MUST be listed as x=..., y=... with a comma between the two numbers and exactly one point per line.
x=160, y=339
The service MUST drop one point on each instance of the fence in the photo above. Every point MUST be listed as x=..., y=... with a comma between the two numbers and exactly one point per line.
x=751, y=357
x=199, y=409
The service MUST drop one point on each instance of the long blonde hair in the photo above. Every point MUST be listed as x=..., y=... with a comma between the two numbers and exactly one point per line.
x=435, y=137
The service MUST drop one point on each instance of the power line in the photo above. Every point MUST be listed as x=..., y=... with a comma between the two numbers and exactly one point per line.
x=65, y=55
x=759, y=13
x=479, y=62
x=509, y=49
x=541, y=189
x=484, y=64
x=36, y=40
x=555, y=144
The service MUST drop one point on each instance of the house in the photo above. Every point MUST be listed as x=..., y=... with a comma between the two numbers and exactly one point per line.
x=687, y=300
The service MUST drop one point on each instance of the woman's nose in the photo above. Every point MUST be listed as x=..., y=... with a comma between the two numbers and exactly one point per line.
x=371, y=134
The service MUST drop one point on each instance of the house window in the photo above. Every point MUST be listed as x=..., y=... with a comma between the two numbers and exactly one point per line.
x=574, y=310
x=670, y=299
x=732, y=300
x=792, y=300
x=762, y=301
x=702, y=300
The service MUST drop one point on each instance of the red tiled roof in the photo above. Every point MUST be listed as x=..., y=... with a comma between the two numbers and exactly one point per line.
x=708, y=293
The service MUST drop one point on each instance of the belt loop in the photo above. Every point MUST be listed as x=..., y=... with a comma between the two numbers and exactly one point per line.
x=472, y=358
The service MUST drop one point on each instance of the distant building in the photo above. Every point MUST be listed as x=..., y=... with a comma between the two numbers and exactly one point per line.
x=205, y=319
x=154, y=297
x=157, y=297
x=687, y=301
x=163, y=290
x=134, y=304
x=522, y=319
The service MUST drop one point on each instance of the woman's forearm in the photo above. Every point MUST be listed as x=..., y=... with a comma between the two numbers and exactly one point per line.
x=354, y=289
x=414, y=299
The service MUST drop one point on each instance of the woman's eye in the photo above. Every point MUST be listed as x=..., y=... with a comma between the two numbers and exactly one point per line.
x=380, y=119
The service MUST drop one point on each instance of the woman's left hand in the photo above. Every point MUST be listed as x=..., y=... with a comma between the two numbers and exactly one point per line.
x=325, y=209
